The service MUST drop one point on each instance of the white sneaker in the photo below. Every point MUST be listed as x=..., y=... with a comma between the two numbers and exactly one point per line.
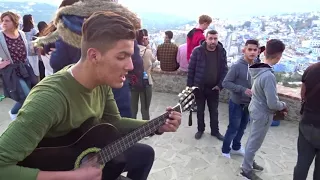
x=240, y=152
x=226, y=155
x=12, y=116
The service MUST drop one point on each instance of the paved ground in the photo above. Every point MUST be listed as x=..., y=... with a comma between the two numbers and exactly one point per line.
x=180, y=157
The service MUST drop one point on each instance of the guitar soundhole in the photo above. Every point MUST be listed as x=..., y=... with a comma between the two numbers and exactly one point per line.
x=91, y=159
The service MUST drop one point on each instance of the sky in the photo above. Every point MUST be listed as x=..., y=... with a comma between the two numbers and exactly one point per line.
x=215, y=8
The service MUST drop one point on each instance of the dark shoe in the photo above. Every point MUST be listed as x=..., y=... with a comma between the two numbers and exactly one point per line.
x=218, y=136
x=256, y=167
x=198, y=135
x=251, y=175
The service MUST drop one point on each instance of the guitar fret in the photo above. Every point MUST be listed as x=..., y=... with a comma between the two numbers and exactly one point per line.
x=131, y=138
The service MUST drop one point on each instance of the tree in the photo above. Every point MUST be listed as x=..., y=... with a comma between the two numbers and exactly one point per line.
x=247, y=24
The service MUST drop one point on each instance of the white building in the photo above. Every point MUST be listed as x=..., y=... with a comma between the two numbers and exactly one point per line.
x=310, y=43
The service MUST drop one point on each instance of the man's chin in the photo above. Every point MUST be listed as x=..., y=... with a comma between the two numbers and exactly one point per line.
x=117, y=85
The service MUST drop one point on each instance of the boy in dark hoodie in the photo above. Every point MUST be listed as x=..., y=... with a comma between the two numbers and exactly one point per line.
x=238, y=82
x=195, y=36
x=264, y=104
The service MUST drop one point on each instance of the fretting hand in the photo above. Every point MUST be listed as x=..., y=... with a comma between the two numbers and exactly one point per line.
x=173, y=123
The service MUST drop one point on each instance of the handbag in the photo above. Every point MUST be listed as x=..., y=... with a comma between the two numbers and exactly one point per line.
x=307, y=96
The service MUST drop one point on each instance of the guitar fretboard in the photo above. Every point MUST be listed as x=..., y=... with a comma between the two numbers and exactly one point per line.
x=125, y=142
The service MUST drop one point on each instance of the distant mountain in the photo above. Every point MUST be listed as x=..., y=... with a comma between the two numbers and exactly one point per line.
x=40, y=11
x=45, y=12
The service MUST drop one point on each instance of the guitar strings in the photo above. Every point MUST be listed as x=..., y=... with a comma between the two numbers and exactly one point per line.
x=98, y=157
x=92, y=160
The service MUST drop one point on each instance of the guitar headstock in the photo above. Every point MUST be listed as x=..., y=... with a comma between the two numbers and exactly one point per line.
x=187, y=98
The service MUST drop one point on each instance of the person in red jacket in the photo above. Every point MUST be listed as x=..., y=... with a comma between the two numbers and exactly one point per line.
x=195, y=36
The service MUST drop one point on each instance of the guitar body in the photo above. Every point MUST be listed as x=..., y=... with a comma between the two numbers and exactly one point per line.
x=98, y=146
x=74, y=150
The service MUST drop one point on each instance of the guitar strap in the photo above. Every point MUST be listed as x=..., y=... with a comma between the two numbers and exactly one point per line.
x=190, y=118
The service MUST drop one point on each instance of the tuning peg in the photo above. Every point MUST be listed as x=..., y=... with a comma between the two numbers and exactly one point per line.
x=180, y=94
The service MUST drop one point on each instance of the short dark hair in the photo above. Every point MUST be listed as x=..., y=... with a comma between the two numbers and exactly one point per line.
x=169, y=34
x=212, y=32
x=42, y=26
x=252, y=41
x=274, y=47
x=13, y=17
x=102, y=29
x=140, y=34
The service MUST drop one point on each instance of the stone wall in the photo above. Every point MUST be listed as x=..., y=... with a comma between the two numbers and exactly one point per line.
x=175, y=82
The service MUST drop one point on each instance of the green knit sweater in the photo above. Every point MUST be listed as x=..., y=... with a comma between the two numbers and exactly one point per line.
x=55, y=106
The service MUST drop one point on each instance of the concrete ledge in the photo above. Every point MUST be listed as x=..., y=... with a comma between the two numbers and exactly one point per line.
x=175, y=82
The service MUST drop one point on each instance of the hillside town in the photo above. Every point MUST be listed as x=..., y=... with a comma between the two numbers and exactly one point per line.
x=300, y=32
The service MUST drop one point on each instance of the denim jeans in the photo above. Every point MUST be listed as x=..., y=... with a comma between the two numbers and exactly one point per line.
x=238, y=120
x=15, y=109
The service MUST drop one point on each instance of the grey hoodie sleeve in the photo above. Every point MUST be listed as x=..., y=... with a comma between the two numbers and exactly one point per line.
x=270, y=91
x=229, y=80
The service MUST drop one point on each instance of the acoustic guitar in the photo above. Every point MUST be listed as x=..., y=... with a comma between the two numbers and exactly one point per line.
x=99, y=146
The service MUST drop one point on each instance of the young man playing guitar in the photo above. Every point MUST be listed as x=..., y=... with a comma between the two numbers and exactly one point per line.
x=64, y=101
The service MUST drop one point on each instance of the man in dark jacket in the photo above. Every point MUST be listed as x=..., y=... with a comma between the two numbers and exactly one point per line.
x=309, y=128
x=207, y=69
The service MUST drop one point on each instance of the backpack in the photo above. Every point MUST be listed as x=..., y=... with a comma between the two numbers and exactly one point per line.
x=135, y=76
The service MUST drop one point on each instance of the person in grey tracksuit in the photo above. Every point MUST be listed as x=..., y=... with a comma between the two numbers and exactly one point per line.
x=264, y=103
x=238, y=82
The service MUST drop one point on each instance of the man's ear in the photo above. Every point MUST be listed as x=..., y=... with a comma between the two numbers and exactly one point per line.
x=93, y=55
x=244, y=50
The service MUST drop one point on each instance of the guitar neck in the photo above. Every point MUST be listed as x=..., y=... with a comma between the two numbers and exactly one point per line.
x=125, y=142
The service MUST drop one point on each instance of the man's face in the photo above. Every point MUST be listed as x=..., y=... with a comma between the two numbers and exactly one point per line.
x=166, y=38
x=112, y=66
x=212, y=41
x=251, y=51
x=7, y=24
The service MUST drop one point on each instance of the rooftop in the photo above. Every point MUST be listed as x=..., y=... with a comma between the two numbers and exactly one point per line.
x=180, y=157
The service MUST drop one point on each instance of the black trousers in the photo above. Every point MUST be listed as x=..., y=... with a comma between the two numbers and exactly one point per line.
x=139, y=161
x=212, y=98
x=308, y=149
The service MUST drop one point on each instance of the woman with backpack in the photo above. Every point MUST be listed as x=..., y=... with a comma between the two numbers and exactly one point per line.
x=144, y=79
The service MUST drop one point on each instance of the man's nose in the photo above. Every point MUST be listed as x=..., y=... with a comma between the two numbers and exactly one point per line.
x=129, y=65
